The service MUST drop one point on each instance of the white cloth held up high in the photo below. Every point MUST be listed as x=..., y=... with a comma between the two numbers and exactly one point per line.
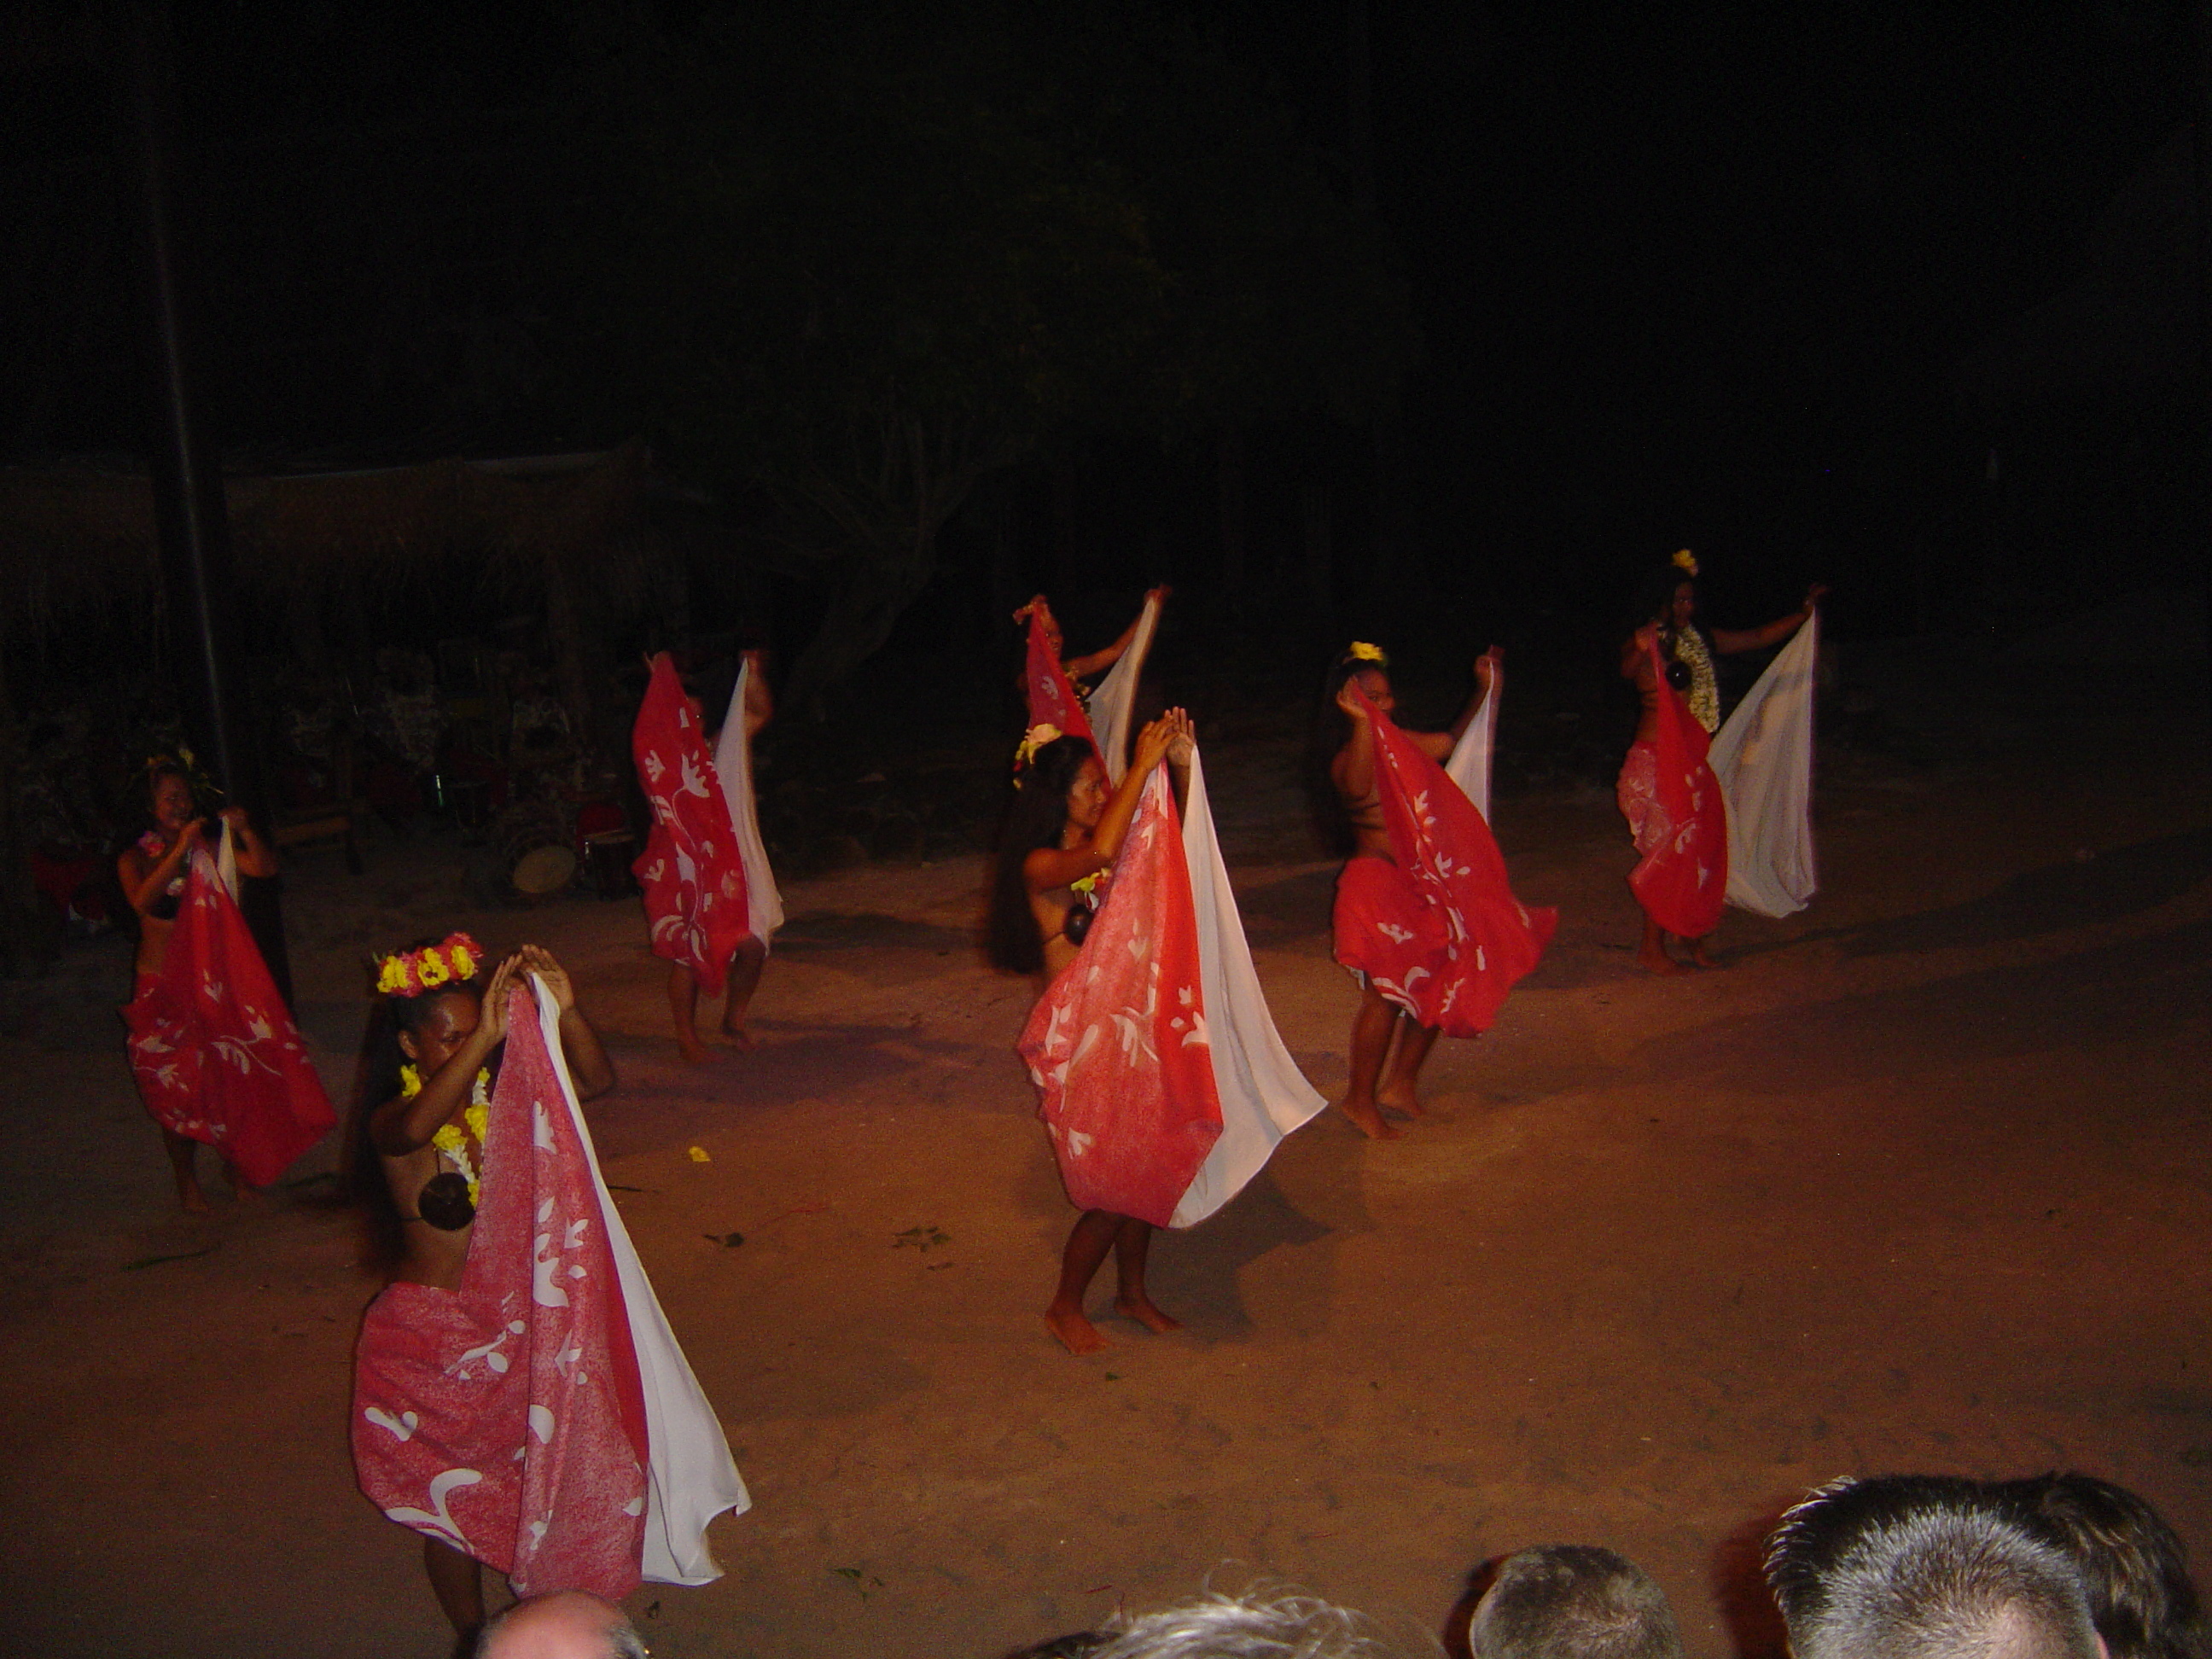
x=1469, y=765
x=1112, y=704
x=733, y=765
x=1763, y=757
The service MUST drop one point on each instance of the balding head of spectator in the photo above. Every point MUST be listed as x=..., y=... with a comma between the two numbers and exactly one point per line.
x=1924, y=1567
x=566, y=1625
x=1572, y=1601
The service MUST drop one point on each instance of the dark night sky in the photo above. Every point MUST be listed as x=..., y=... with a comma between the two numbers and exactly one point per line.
x=1662, y=256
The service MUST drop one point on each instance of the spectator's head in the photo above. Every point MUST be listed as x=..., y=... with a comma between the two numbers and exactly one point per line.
x=1917, y=1566
x=2132, y=1565
x=1252, y=1626
x=1572, y=1601
x=566, y=1625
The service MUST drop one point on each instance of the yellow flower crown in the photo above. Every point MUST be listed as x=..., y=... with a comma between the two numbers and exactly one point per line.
x=1686, y=563
x=1362, y=651
x=410, y=973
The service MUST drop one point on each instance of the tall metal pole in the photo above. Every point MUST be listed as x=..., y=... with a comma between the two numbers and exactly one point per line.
x=2201, y=180
x=191, y=522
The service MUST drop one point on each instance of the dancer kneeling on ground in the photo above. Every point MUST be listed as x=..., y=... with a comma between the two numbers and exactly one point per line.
x=1667, y=791
x=1062, y=835
x=1424, y=919
x=433, y=1057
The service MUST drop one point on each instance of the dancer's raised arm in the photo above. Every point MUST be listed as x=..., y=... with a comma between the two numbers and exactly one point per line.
x=1055, y=866
x=1485, y=669
x=760, y=707
x=254, y=855
x=1082, y=668
x=1731, y=640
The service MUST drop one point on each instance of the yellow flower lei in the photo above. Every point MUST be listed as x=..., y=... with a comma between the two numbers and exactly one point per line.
x=1362, y=651
x=450, y=1140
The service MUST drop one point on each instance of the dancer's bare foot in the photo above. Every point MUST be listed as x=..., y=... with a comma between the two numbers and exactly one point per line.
x=1077, y=1334
x=694, y=1051
x=191, y=1200
x=1145, y=1313
x=1700, y=956
x=248, y=1198
x=737, y=1037
x=1658, y=961
x=1365, y=1119
x=1401, y=1100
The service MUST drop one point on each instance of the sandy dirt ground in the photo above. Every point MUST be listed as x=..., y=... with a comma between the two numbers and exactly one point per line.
x=1918, y=1181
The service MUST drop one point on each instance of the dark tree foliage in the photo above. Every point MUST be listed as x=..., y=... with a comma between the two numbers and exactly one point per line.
x=856, y=256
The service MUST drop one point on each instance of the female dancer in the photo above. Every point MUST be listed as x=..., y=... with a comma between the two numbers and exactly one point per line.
x=1378, y=913
x=433, y=1052
x=152, y=871
x=1061, y=838
x=1687, y=651
x=743, y=975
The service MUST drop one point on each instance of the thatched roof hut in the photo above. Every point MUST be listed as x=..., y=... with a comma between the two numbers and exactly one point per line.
x=79, y=538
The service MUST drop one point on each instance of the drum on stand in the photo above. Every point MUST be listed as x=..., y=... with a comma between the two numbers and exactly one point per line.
x=606, y=845
x=538, y=849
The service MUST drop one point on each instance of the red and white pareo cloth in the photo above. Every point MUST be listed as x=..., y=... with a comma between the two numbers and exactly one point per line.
x=1162, y=1078
x=1434, y=928
x=1675, y=809
x=541, y=1417
x=1105, y=720
x=1052, y=697
x=693, y=872
x=214, y=1049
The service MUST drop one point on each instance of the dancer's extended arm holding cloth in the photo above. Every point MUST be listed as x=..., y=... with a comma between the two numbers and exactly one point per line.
x=1096, y=823
x=1097, y=662
x=1669, y=640
x=1353, y=770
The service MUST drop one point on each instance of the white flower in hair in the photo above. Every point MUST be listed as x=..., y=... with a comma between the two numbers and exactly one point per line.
x=1032, y=740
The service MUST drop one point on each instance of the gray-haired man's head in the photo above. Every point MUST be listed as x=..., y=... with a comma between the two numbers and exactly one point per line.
x=1923, y=1567
x=1572, y=1601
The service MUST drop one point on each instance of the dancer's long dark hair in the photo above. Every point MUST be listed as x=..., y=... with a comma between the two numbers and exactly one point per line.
x=1036, y=818
x=376, y=1080
x=1331, y=729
